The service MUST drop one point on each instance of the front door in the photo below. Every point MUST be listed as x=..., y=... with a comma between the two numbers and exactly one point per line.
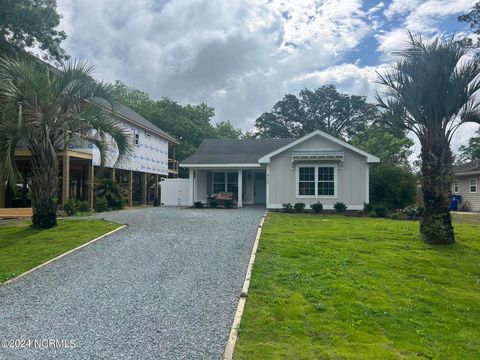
x=259, y=188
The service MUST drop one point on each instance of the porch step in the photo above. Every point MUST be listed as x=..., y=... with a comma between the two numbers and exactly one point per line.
x=15, y=213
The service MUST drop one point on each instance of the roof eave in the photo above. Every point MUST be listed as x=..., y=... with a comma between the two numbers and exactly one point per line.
x=222, y=166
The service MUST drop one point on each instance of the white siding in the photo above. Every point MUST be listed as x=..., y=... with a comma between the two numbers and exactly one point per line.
x=464, y=190
x=351, y=180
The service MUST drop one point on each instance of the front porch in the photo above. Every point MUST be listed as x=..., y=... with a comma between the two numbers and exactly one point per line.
x=247, y=185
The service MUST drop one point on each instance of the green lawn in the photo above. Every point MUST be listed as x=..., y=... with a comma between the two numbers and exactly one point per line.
x=22, y=248
x=334, y=287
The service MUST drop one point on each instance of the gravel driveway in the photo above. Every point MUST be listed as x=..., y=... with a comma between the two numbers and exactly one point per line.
x=166, y=287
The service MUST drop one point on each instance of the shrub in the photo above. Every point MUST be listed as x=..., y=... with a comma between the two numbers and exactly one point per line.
x=317, y=207
x=198, y=205
x=70, y=207
x=299, y=207
x=83, y=206
x=112, y=192
x=340, y=207
x=380, y=210
x=287, y=207
x=213, y=203
x=101, y=204
x=228, y=204
x=368, y=207
x=393, y=186
x=394, y=216
x=411, y=211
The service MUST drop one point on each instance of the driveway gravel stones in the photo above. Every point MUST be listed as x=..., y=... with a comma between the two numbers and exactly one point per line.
x=166, y=287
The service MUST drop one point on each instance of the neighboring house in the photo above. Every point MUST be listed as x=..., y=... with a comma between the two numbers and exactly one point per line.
x=140, y=171
x=466, y=183
x=316, y=167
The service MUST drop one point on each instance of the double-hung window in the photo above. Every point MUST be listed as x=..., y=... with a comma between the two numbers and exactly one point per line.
x=218, y=182
x=316, y=181
x=224, y=181
x=455, y=187
x=473, y=185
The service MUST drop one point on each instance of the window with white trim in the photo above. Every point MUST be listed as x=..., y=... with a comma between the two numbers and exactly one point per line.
x=316, y=181
x=455, y=187
x=136, y=137
x=473, y=185
x=218, y=182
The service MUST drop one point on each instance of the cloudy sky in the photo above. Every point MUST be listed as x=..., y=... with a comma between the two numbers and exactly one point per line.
x=242, y=56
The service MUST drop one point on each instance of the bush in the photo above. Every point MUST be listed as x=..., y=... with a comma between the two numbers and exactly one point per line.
x=101, y=204
x=198, y=205
x=70, y=207
x=368, y=207
x=228, y=204
x=287, y=207
x=394, y=216
x=213, y=203
x=380, y=210
x=83, y=206
x=411, y=211
x=317, y=207
x=393, y=186
x=113, y=193
x=339, y=207
x=299, y=207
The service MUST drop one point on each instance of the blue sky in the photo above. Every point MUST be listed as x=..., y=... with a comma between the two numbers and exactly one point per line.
x=241, y=56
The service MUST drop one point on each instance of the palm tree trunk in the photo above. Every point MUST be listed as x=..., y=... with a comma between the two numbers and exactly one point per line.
x=44, y=188
x=436, y=224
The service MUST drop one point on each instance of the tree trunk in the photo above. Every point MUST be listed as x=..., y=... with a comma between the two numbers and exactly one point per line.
x=44, y=187
x=436, y=224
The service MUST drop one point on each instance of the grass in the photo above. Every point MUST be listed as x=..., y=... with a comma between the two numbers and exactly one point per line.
x=334, y=287
x=22, y=248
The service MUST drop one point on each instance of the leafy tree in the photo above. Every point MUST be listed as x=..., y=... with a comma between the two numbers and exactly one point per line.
x=392, y=185
x=472, y=150
x=46, y=111
x=226, y=130
x=390, y=148
x=431, y=92
x=31, y=23
x=326, y=109
x=472, y=18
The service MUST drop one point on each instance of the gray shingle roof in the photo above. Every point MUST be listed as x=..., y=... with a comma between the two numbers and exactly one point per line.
x=467, y=167
x=229, y=151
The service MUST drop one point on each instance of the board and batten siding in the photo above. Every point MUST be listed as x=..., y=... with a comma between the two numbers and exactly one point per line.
x=464, y=190
x=351, y=183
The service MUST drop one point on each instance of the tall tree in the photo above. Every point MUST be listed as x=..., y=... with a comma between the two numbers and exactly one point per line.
x=26, y=24
x=226, y=130
x=431, y=91
x=326, y=109
x=46, y=111
x=472, y=18
x=471, y=151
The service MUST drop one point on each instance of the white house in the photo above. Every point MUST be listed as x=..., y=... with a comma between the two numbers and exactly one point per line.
x=466, y=183
x=140, y=172
x=316, y=167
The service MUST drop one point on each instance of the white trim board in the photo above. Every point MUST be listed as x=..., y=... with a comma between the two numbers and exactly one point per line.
x=221, y=166
x=370, y=158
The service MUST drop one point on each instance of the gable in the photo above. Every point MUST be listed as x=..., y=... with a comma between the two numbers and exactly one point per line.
x=319, y=141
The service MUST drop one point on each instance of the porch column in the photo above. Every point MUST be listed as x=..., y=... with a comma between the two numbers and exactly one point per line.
x=156, y=185
x=113, y=174
x=240, y=188
x=91, y=184
x=130, y=188
x=145, y=175
x=191, y=186
x=2, y=194
x=65, y=177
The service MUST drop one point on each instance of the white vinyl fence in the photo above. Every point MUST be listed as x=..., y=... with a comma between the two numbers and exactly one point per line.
x=174, y=192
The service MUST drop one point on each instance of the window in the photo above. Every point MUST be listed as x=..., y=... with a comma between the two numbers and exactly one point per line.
x=306, y=181
x=473, y=185
x=218, y=182
x=455, y=187
x=232, y=182
x=316, y=181
x=136, y=138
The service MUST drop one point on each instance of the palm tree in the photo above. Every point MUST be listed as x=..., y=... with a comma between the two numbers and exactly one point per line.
x=431, y=91
x=45, y=109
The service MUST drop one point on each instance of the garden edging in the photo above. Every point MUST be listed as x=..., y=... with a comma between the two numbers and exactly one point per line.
x=229, y=349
